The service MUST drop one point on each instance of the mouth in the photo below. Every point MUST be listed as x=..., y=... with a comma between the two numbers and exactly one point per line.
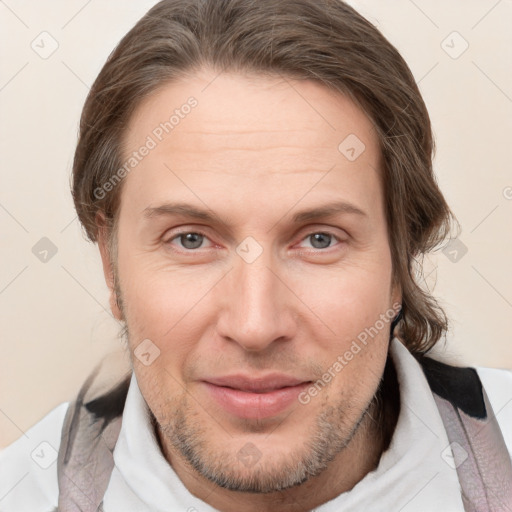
x=255, y=398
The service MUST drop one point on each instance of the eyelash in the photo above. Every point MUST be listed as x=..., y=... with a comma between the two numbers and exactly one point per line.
x=201, y=233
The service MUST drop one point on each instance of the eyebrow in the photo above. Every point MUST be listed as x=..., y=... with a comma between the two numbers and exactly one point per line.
x=186, y=210
x=328, y=210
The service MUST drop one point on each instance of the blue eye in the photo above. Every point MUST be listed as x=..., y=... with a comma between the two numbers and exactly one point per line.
x=190, y=240
x=320, y=239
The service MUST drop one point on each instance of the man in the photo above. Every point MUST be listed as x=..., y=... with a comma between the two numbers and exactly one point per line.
x=258, y=177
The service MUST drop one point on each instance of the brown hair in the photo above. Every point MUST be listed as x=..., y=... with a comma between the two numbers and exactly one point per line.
x=322, y=40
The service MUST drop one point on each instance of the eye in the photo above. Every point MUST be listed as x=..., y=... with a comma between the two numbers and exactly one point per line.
x=321, y=239
x=189, y=240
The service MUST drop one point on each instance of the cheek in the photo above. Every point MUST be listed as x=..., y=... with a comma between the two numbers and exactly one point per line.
x=355, y=305
x=159, y=308
x=158, y=296
x=168, y=308
x=348, y=299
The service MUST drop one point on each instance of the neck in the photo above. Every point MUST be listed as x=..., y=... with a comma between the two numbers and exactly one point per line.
x=361, y=455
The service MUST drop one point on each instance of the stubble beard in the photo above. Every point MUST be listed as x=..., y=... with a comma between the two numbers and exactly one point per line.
x=331, y=433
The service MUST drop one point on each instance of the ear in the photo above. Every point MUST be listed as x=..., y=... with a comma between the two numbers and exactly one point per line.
x=108, y=270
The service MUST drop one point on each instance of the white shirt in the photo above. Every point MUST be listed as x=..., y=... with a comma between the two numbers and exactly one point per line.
x=414, y=474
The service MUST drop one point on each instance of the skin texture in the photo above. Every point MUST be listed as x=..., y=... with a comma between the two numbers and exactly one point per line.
x=255, y=151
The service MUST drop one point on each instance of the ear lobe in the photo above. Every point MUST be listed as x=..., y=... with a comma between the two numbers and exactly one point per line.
x=108, y=270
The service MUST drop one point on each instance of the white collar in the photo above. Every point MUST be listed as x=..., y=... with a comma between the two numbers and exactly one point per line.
x=412, y=474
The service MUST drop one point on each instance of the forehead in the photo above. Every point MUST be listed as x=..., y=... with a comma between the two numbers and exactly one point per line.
x=235, y=108
x=214, y=133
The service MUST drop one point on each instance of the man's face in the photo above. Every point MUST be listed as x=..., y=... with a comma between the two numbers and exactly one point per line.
x=252, y=308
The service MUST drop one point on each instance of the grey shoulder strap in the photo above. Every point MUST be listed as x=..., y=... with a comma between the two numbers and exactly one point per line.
x=89, y=434
x=480, y=454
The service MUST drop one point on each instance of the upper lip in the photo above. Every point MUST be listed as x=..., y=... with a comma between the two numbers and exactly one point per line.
x=253, y=384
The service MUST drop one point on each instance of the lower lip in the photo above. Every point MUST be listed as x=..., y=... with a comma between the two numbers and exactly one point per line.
x=245, y=404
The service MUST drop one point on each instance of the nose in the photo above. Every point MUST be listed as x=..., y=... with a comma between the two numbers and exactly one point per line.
x=257, y=306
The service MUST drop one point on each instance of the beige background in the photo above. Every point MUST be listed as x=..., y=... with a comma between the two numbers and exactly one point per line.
x=56, y=323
